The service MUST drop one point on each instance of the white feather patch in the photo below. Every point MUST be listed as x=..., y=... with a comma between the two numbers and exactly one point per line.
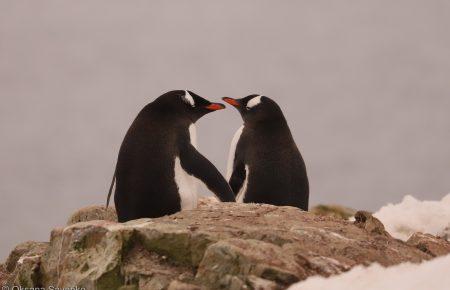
x=186, y=183
x=241, y=195
x=187, y=186
x=193, y=135
x=232, y=151
x=189, y=99
x=253, y=102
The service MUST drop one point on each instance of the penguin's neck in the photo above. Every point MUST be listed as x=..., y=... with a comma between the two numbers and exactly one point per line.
x=193, y=134
x=277, y=123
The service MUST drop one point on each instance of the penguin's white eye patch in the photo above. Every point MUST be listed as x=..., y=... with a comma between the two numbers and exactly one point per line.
x=188, y=99
x=253, y=102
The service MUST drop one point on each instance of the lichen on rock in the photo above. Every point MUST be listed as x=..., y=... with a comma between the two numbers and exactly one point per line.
x=90, y=213
x=216, y=246
x=333, y=211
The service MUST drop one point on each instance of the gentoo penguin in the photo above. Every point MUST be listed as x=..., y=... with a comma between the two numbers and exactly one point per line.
x=264, y=163
x=159, y=166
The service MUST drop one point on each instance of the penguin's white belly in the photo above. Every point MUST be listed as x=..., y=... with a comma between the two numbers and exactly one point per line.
x=186, y=183
x=241, y=194
x=187, y=186
x=232, y=151
x=193, y=135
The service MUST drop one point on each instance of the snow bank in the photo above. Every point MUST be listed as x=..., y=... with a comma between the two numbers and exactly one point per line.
x=401, y=221
x=432, y=274
x=411, y=215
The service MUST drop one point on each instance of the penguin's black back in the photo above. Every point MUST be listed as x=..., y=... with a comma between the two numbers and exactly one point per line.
x=277, y=172
x=158, y=165
x=145, y=167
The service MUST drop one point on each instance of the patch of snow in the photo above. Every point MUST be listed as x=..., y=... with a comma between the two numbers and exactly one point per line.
x=411, y=215
x=407, y=276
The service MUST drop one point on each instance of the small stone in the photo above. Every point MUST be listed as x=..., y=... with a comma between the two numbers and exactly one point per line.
x=94, y=212
x=366, y=221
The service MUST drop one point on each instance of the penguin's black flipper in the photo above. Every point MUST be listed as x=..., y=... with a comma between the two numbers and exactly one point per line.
x=237, y=177
x=196, y=164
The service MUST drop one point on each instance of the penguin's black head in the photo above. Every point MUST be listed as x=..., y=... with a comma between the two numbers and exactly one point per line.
x=187, y=104
x=256, y=108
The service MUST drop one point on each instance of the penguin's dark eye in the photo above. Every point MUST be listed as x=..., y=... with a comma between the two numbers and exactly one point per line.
x=188, y=99
x=253, y=102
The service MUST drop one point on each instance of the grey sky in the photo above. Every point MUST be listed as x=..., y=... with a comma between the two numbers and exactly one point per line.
x=365, y=87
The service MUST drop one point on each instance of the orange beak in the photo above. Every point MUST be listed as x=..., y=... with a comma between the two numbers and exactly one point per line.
x=215, y=107
x=231, y=101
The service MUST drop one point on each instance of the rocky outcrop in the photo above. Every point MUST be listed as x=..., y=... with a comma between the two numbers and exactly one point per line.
x=434, y=246
x=23, y=264
x=216, y=246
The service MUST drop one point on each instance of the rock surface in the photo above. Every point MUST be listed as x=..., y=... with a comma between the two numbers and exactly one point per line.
x=333, y=211
x=429, y=244
x=216, y=246
x=90, y=213
x=365, y=220
x=23, y=264
x=3, y=275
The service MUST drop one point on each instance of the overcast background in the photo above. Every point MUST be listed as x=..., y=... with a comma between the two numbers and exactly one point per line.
x=365, y=87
